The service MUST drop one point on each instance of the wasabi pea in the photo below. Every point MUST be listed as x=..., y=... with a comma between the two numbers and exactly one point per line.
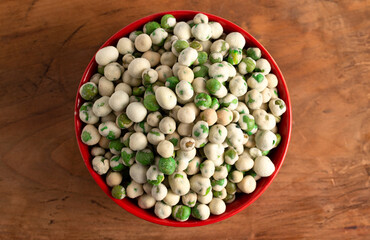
x=118, y=192
x=88, y=91
x=181, y=213
x=167, y=165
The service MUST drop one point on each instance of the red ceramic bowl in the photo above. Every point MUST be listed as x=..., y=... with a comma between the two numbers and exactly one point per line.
x=277, y=155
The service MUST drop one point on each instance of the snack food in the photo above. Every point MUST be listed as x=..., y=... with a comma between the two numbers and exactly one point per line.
x=172, y=98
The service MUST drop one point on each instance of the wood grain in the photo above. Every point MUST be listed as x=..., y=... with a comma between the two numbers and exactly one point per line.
x=322, y=190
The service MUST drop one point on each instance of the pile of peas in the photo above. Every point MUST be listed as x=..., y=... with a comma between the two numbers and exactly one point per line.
x=181, y=116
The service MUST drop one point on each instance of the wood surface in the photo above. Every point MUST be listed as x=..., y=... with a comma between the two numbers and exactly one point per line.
x=322, y=190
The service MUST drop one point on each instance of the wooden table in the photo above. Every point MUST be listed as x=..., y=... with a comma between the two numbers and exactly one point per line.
x=322, y=190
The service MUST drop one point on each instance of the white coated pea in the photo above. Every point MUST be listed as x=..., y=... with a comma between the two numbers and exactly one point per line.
x=137, y=66
x=182, y=30
x=138, y=141
x=146, y=201
x=162, y=210
x=143, y=42
x=247, y=185
x=217, y=206
x=165, y=149
x=187, y=56
x=106, y=55
x=100, y=165
x=113, y=179
x=136, y=112
x=235, y=40
x=134, y=190
x=118, y=101
x=167, y=125
x=166, y=98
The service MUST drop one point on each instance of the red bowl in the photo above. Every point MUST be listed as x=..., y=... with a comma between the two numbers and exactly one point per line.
x=277, y=155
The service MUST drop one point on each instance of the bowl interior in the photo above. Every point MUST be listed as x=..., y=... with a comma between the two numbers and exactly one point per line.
x=277, y=155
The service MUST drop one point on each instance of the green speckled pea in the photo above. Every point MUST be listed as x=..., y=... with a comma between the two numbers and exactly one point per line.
x=215, y=104
x=216, y=57
x=116, y=146
x=151, y=103
x=213, y=85
x=150, y=27
x=217, y=182
x=145, y=157
x=88, y=91
x=253, y=131
x=202, y=58
x=138, y=91
x=248, y=64
x=200, y=71
x=196, y=45
x=171, y=82
x=122, y=121
x=167, y=165
x=181, y=213
x=203, y=101
x=168, y=21
x=254, y=53
x=235, y=56
x=128, y=156
x=118, y=192
x=116, y=163
x=180, y=45
x=230, y=187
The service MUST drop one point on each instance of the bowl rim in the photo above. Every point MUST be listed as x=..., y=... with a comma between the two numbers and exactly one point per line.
x=133, y=208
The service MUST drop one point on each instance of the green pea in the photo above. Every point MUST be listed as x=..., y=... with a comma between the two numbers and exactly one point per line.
x=118, y=192
x=164, y=20
x=127, y=154
x=150, y=27
x=213, y=85
x=147, y=80
x=235, y=56
x=160, y=179
x=250, y=64
x=251, y=132
x=215, y=57
x=249, y=121
x=229, y=198
x=231, y=153
x=180, y=45
x=196, y=45
x=258, y=77
x=202, y=57
x=195, y=212
x=215, y=104
x=116, y=145
x=181, y=213
x=116, y=164
x=150, y=103
x=167, y=165
x=88, y=91
x=252, y=53
x=217, y=194
x=278, y=139
x=85, y=136
x=138, y=91
x=217, y=182
x=145, y=157
x=230, y=187
x=149, y=91
x=123, y=121
x=101, y=69
x=171, y=82
x=203, y=100
x=200, y=71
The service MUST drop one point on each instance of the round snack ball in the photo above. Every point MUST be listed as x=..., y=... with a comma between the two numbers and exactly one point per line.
x=143, y=42
x=88, y=91
x=238, y=86
x=149, y=76
x=247, y=185
x=277, y=107
x=272, y=80
x=167, y=165
x=134, y=190
x=187, y=56
x=184, y=90
x=146, y=201
x=137, y=66
x=122, y=121
x=138, y=173
x=136, y=112
x=187, y=143
x=265, y=140
x=113, y=179
x=182, y=30
x=217, y=134
x=113, y=71
x=125, y=45
x=181, y=213
x=235, y=40
x=209, y=115
x=202, y=31
x=153, y=119
x=106, y=55
x=185, y=129
x=217, y=206
x=152, y=57
x=224, y=116
x=118, y=192
x=186, y=115
x=200, y=185
x=263, y=66
x=150, y=103
x=167, y=125
x=200, y=130
x=207, y=168
x=217, y=30
x=118, y=101
x=162, y=210
x=171, y=198
x=100, y=165
x=86, y=113
x=203, y=101
x=168, y=21
x=105, y=87
x=200, y=211
x=145, y=157
x=263, y=166
x=165, y=149
x=90, y=135
x=166, y=98
x=138, y=141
